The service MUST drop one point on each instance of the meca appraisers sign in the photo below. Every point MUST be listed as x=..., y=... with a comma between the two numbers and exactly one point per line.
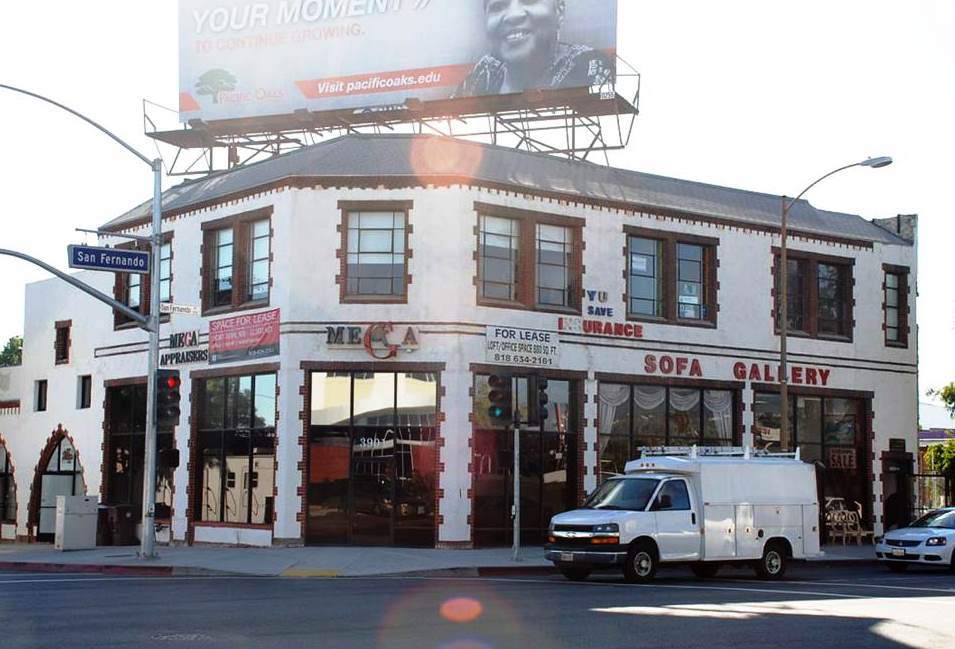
x=248, y=59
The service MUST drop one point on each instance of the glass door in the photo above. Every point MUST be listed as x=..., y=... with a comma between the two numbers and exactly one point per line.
x=62, y=477
x=372, y=486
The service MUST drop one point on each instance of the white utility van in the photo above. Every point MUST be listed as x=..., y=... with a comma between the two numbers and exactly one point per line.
x=701, y=507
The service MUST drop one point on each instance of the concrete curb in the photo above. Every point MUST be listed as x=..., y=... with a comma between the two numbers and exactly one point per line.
x=108, y=569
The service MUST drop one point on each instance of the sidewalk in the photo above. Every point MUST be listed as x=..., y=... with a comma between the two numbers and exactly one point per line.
x=307, y=561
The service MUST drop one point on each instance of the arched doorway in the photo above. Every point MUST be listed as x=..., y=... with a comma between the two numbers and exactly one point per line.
x=58, y=474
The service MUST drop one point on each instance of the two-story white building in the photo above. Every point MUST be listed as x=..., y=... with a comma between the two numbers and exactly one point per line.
x=355, y=296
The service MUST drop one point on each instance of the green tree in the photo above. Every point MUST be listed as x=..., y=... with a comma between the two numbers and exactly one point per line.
x=947, y=395
x=12, y=353
x=940, y=458
x=215, y=81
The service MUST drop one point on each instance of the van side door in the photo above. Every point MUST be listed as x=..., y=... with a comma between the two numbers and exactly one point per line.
x=677, y=519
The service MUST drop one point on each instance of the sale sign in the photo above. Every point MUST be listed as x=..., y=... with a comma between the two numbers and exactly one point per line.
x=244, y=337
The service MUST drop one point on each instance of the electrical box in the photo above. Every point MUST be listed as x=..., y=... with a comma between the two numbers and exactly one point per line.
x=76, y=522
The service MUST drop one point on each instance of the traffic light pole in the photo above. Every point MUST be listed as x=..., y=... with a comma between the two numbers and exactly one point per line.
x=517, y=482
x=147, y=548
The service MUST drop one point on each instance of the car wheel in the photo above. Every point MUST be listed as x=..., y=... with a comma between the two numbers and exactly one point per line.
x=641, y=566
x=705, y=570
x=897, y=567
x=773, y=563
x=574, y=574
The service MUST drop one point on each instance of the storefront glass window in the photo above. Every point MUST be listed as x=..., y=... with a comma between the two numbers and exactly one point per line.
x=840, y=421
x=236, y=445
x=372, y=471
x=684, y=417
x=633, y=416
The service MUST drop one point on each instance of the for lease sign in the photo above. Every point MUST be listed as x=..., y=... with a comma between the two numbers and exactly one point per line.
x=522, y=347
x=244, y=337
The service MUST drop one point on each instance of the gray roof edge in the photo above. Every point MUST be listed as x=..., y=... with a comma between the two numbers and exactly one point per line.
x=875, y=233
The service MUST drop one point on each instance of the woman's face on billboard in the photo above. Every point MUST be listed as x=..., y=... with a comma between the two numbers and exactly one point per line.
x=522, y=31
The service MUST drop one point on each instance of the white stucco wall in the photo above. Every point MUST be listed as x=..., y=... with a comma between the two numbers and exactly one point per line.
x=442, y=305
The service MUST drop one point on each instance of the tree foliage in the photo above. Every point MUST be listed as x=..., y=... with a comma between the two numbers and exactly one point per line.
x=940, y=458
x=12, y=353
x=947, y=395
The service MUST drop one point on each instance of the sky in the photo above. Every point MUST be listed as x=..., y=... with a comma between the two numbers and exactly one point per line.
x=757, y=95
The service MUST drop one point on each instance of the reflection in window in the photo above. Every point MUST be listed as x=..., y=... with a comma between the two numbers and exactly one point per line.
x=165, y=272
x=236, y=445
x=690, y=288
x=223, y=267
x=259, y=261
x=498, y=251
x=376, y=254
x=832, y=299
x=645, y=277
x=554, y=258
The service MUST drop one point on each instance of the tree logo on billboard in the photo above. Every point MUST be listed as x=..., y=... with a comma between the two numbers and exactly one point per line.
x=215, y=81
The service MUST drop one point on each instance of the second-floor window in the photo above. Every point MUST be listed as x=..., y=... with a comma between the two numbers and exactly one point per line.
x=133, y=289
x=61, y=347
x=671, y=277
x=376, y=260
x=819, y=296
x=528, y=260
x=237, y=258
x=895, y=306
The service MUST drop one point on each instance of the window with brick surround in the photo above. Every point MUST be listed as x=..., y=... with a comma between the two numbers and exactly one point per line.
x=895, y=306
x=528, y=260
x=375, y=266
x=820, y=296
x=236, y=262
x=133, y=289
x=61, y=345
x=671, y=277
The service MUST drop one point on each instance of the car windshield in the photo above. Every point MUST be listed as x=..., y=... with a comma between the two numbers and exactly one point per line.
x=939, y=518
x=623, y=493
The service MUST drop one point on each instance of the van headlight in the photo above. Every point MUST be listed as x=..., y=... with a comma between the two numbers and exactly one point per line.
x=607, y=528
x=936, y=540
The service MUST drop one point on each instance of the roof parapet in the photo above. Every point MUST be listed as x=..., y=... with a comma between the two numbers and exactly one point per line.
x=904, y=226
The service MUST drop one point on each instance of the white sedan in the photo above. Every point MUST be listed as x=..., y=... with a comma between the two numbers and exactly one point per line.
x=928, y=541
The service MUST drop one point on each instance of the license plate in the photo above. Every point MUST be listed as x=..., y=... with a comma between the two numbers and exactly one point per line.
x=566, y=556
x=898, y=552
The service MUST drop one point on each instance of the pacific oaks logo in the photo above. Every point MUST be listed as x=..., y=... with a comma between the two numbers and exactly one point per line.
x=218, y=84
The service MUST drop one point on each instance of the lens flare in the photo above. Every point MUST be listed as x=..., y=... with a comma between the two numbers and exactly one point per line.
x=461, y=610
x=443, y=156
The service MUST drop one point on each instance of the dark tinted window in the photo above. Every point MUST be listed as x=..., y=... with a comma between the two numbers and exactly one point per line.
x=679, y=498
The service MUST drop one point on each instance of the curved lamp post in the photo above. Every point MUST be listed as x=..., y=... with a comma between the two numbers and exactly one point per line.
x=151, y=324
x=784, y=433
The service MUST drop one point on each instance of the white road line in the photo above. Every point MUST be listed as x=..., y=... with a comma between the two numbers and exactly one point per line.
x=142, y=578
x=656, y=585
x=947, y=591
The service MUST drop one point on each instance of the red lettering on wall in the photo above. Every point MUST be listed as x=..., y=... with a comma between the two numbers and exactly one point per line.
x=695, y=368
x=666, y=364
x=650, y=364
x=681, y=364
x=739, y=371
x=797, y=375
x=810, y=376
x=824, y=376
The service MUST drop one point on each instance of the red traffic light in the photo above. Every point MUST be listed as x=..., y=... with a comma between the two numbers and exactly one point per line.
x=173, y=382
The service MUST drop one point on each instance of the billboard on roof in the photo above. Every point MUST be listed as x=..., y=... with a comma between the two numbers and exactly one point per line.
x=242, y=58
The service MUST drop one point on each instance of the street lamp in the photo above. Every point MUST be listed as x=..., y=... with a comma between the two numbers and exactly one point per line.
x=150, y=324
x=784, y=433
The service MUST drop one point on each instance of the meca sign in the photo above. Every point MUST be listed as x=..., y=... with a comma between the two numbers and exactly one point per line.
x=376, y=339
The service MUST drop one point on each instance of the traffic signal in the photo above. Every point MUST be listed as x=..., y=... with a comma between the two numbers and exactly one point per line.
x=541, y=399
x=501, y=398
x=167, y=398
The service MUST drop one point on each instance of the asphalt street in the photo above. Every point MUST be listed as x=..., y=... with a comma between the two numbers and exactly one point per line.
x=816, y=606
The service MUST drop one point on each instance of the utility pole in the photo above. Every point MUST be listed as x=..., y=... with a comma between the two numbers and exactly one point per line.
x=151, y=324
x=517, y=474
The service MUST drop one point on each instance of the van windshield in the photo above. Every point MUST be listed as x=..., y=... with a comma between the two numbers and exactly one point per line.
x=631, y=494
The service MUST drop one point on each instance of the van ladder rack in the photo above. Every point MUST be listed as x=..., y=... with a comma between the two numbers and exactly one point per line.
x=713, y=451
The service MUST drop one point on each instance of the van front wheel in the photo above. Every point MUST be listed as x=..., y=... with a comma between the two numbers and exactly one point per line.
x=773, y=563
x=641, y=563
